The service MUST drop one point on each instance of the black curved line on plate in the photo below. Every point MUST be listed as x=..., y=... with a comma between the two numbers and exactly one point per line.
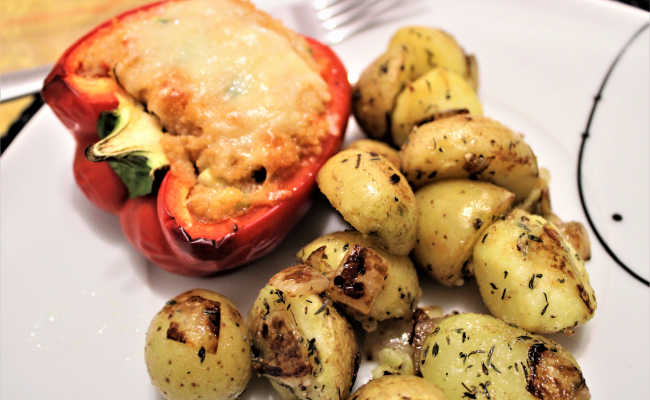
x=20, y=122
x=583, y=143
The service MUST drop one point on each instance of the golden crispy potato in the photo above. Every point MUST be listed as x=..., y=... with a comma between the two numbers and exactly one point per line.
x=575, y=233
x=197, y=346
x=530, y=276
x=473, y=147
x=452, y=216
x=386, y=285
x=479, y=356
x=412, y=52
x=472, y=72
x=427, y=48
x=374, y=94
x=381, y=148
x=539, y=202
x=372, y=196
x=434, y=94
x=398, y=387
x=301, y=343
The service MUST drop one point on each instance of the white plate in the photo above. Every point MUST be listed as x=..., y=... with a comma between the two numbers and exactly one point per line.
x=76, y=299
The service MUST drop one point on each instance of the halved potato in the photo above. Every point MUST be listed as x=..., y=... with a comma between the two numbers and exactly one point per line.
x=300, y=342
x=412, y=52
x=472, y=147
x=373, y=96
x=437, y=93
x=429, y=48
x=386, y=285
x=373, y=196
x=381, y=148
x=398, y=387
x=480, y=357
x=452, y=216
x=529, y=275
x=539, y=202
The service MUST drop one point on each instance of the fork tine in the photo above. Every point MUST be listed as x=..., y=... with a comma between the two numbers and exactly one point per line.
x=323, y=4
x=379, y=16
x=368, y=8
x=339, y=8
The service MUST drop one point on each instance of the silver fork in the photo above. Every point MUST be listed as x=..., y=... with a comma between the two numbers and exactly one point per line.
x=330, y=21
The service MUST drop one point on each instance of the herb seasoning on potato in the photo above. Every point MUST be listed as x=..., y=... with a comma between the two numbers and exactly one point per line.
x=377, y=147
x=197, y=347
x=373, y=196
x=300, y=342
x=401, y=89
x=372, y=284
x=529, y=275
x=470, y=147
x=453, y=215
x=473, y=356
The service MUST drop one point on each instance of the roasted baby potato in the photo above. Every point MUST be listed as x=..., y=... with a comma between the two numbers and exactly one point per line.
x=381, y=148
x=576, y=234
x=390, y=347
x=398, y=387
x=452, y=217
x=530, y=276
x=437, y=93
x=373, y=96
x=480, y=357
x=372, y=196
x=372, y=284
x=429, y=48
x=197, y=347
x=472, y=147
x=412, y=52
x=539, y=202
x=300, y=342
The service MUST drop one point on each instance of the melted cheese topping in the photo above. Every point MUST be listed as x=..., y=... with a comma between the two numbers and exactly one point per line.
x=240, y=96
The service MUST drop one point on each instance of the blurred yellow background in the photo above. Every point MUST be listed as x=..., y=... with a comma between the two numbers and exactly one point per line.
x=36, y=32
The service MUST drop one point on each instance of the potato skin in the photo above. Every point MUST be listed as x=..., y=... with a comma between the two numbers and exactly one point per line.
x=401, y=289
x=398, y=387
x=453, y=215
x=412, y=52
x=439, y=91
x=381, y=148
x=373, y=197
x=374, y=94
x=427, y=48
x=473, y=147
x=478, y=355
x=303, y=345
x=530, y=276
x=197, y=347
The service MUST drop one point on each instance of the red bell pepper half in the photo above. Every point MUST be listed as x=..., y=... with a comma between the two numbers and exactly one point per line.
x=159, y=224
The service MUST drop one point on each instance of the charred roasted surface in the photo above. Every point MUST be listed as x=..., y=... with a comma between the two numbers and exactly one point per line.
x=359, y=279
x=194, y=320
x=300, y=342
x=425, y=320
x=553, y=376
x=283, y=352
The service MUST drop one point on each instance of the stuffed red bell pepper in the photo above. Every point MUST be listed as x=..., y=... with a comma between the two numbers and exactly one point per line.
x=202, y=123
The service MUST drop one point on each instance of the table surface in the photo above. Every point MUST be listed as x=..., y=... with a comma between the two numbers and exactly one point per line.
x=36, y=32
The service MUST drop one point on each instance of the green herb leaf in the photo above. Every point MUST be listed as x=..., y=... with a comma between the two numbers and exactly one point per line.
x=135, y=173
